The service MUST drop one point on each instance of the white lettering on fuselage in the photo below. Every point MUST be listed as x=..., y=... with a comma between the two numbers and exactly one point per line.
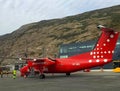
x=76, y=64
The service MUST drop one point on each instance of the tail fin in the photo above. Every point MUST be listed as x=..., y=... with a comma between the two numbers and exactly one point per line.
x=104, y=48
x=106, y=44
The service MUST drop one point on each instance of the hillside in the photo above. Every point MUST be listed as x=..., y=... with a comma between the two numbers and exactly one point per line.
x=47, y=35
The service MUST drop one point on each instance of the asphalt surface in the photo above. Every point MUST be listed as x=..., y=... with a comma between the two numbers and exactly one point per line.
x=80, y=81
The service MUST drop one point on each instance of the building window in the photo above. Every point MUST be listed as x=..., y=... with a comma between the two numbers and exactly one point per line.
x=64, y=56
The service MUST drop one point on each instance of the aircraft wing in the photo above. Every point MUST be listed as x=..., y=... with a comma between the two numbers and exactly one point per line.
x=35, y=61
x=41, y=61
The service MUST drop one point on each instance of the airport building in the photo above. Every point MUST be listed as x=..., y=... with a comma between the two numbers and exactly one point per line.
x=67, y=50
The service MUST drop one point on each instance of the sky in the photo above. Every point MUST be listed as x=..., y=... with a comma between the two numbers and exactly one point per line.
x=15, y=13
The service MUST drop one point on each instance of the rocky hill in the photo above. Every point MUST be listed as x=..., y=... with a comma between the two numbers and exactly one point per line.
x=47, y=35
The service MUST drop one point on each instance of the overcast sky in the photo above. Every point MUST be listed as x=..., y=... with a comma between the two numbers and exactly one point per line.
x=15, y=13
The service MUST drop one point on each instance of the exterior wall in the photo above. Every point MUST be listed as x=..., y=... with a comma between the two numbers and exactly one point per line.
x=67, y=50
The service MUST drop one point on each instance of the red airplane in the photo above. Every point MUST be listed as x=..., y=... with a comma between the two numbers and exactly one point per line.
x=99, y=56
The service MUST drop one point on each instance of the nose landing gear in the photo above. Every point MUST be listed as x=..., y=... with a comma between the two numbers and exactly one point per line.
x=42, y=76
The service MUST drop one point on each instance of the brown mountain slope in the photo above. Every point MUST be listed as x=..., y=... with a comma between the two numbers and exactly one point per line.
x=47, y=35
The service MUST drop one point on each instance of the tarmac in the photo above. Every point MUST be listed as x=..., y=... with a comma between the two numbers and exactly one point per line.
x=79, y=81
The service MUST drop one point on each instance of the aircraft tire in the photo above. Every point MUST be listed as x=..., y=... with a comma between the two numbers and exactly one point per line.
x=42, y=76
x=67, y=74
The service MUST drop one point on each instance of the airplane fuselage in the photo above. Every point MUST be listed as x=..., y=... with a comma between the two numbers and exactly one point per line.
x=67, y=65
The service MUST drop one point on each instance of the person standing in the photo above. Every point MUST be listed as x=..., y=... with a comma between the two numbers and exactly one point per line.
x=1, y=73
x=14, y=74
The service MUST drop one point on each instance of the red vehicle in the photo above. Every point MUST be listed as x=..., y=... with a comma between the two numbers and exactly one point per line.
x=99, y=56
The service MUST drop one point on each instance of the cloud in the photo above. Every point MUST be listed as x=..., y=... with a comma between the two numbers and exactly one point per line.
x=15, y=13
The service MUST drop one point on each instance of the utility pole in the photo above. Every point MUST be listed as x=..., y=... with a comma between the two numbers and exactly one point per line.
x=44, y=52
x=26, y=49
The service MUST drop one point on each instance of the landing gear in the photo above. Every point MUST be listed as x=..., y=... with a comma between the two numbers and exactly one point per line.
x=42, y=76
x=32, y=72
x=67, y=74
x=26, y=75
x=41, y=72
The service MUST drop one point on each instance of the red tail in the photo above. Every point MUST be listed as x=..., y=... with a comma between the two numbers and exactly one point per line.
x=106, y=44
x=104, y=48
